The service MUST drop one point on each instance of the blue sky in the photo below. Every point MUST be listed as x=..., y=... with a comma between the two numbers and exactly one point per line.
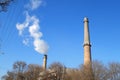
x=61, y=23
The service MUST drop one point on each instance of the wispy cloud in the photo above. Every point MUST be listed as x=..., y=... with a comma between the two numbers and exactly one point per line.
x=26, y=41
x=34, y=4
x=33, y=27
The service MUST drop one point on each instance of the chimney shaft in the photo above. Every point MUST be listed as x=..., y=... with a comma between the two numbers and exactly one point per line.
x=87, y=45
x=45, y=62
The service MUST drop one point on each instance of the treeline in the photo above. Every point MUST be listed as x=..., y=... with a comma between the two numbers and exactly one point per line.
x=57, y=71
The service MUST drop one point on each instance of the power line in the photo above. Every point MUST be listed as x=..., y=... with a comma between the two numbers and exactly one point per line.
x=9, y=27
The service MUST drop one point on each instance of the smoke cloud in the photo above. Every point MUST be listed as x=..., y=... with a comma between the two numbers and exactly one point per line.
x=24, y=25
x=34, y=4
x=31, y=23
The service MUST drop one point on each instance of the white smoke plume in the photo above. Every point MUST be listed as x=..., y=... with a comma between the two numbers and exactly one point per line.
x=34, y=4
x=32, y=25
x=24, y=25
x=26, y=41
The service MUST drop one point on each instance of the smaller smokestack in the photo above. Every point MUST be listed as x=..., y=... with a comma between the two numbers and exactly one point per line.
x=44, y=62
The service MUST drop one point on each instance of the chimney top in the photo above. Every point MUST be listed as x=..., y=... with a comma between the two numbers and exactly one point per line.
x=85, y=19
x=45, y=54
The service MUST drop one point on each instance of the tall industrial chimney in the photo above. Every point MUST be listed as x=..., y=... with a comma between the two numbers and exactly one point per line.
x=44, y=62
x=87, y=45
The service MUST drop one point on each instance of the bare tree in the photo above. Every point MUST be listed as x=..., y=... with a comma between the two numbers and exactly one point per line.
x=19, y=66
x=9, y=76
x=99, y=70
x=17, y=73
x=86, y=73
x=72, y=74
x=4, y=4
x=58, y=69
x=114, y=71
x=22, y=71
x=33, y=71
